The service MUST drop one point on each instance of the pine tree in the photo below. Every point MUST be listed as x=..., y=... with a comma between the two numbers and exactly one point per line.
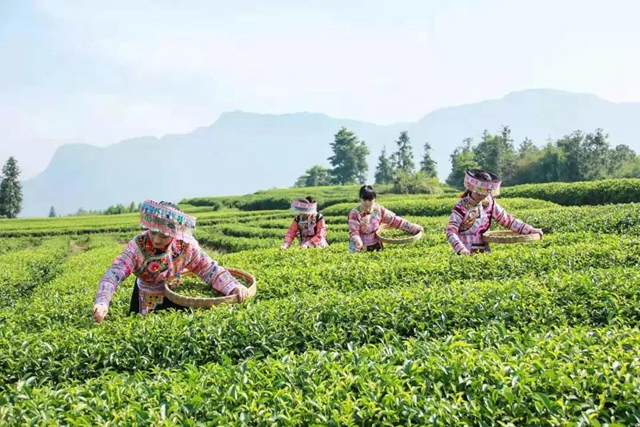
x=349, y=158
x=403, y=158
x=384, y=170
x=52, y=212
x=316, y=176
x=428, y=165
x=10, y=189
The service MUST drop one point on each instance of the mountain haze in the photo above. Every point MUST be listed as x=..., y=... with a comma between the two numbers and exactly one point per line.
x=243, y=152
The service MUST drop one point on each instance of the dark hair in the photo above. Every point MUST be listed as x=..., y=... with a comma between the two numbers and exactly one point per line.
x=465, y=193
x=484, y=175
x=310, y=199
x=367, y=192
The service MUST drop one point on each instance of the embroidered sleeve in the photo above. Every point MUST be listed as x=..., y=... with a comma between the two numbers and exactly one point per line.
x=120, y=269
x=455, y=220
x=322, y=231
x=507, y=221
x=291, y=233
x=208, y=270
x=354, y=228
x=395, y=221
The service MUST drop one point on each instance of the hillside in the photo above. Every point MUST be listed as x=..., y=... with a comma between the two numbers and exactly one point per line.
x=243, y=152
x=542, y=333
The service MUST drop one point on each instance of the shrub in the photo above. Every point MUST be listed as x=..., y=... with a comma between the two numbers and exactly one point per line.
x=416, y=183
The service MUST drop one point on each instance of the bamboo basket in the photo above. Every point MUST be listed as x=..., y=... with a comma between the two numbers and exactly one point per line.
x=506, y=237
x=397, y=241
x=197, y=302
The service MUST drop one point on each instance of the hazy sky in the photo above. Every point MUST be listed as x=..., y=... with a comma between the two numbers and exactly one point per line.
x=100, y=72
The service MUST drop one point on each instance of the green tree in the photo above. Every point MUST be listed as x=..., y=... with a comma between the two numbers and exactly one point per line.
x=52, y=212
x=132, y=207
x=622, y=154
x=315, y=176
x=403, y=158
x=631, y=169
x=551, y=165
x=462, y=160
x=595, y=156
x=569, y=167
x=10, y=189
x=349, y=160
x=527, y=148
x=496, y=153
x=525, y=163
x=624, y=163
x=384, y=169
x=428, y=165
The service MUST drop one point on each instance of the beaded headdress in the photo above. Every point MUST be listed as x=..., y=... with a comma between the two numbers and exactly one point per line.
x=474, y=181
x=162, y=218
x=303, y=206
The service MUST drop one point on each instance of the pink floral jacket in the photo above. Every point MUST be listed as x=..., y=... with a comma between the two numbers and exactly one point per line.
x=363, y=225
x=312, y=232
x=470, y=220
x=153, y=268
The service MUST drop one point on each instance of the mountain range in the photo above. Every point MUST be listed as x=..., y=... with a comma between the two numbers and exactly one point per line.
x=243, y=152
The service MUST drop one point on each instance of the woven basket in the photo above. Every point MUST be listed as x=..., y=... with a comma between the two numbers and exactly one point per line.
x=195, y=302
x=397, y=241
x=505, y=237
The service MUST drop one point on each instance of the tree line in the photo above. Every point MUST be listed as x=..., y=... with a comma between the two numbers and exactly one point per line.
x=111, y=210
x=349, y=165
x=575, y=157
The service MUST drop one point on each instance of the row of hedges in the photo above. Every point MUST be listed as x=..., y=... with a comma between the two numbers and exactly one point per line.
x=610, y=191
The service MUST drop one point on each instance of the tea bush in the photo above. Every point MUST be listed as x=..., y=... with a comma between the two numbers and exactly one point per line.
x=544, y=333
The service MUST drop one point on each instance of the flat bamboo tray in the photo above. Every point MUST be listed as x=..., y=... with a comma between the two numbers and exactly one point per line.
x=196, y=302
x=506, y=237
x=397, y=240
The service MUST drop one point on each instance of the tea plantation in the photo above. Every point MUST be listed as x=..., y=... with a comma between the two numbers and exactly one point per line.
x=538, y=334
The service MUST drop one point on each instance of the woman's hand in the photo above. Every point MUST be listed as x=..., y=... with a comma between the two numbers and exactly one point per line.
x=100, y=312
x=242, y=293
x=537, y=231
x=464, y=252
x=284, y=247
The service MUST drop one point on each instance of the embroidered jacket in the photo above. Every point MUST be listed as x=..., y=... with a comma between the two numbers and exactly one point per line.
x=363, y=225
x=470, y=220
x=312, y=232
x=153, y=268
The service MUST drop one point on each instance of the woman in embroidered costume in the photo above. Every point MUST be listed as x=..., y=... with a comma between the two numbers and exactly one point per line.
x=366, y=219
x=161, y=252
x=308, y=225
x=473, y=214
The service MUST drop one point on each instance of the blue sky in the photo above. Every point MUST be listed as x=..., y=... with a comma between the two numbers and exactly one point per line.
x=100, y=72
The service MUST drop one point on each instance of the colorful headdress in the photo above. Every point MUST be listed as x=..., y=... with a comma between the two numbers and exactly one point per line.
x=476, y=182
x=303, y=206
x=162, y=218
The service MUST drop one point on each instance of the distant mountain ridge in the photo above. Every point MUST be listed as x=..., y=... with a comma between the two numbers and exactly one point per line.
x=244, y=152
